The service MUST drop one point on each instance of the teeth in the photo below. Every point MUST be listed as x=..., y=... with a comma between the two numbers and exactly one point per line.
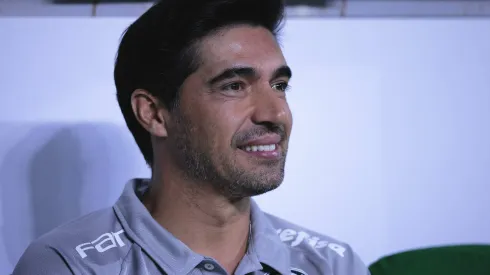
x=261, y=148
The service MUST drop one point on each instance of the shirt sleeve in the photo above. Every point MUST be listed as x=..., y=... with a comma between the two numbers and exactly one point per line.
x=355, y=265
x=350, y=264
x=41, y=259
x=360, y=267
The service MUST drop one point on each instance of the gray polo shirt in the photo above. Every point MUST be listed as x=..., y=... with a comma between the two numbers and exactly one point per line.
x=125, y=239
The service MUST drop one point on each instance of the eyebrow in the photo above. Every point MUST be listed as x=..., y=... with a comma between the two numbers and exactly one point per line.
x=233, y=72
x=249, y=72
x=283, y=71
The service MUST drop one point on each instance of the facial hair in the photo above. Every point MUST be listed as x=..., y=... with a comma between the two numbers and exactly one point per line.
x=200, y=164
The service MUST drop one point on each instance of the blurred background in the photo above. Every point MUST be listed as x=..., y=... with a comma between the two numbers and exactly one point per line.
x=390, y=148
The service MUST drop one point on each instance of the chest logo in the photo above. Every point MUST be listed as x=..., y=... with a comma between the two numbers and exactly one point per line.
x=297, y=271
x=103, y=243
x=295, y=238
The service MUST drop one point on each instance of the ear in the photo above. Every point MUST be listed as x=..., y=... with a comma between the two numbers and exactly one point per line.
x=149, y=112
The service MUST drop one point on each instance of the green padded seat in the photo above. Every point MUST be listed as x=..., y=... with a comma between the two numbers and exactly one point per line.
x=445, y=260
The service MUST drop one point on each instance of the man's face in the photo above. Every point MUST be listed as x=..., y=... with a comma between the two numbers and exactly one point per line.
x=232, y=125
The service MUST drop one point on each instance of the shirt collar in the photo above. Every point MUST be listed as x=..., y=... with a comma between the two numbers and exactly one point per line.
x=167, y=251
x=266, y=243
x=177, y=258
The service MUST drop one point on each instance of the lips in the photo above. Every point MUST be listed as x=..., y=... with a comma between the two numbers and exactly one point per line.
x=266, y=147
x=260, y=148
x=262, y=141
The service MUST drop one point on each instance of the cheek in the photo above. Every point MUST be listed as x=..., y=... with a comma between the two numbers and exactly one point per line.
x=215, y=128
x=225, y=126
x=216, y=119
x=228, y=120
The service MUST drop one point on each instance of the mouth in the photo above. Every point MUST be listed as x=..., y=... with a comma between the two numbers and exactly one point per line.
x=264, y=151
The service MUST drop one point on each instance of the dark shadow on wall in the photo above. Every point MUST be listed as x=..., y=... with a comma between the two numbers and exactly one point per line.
x=51, y=174
x=56, y=178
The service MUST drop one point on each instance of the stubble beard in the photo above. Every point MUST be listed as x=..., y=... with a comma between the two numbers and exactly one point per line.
x=201, y=166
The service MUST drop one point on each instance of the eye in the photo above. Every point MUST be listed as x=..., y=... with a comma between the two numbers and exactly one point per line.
x=283, y=86
x=235, y=86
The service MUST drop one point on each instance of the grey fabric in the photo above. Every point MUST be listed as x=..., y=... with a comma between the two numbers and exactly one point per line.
x=125, y=240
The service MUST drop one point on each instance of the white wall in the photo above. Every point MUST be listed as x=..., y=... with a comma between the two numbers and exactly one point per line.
x=390, y=147
x=344, y=8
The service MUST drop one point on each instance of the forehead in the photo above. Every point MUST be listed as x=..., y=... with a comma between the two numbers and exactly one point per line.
x=241, y=45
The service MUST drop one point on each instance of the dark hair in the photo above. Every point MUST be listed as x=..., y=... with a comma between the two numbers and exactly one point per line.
x=160, y=49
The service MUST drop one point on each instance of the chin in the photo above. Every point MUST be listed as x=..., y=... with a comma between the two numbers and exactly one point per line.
x=249, y=185
x=251, y=180
x=262, y=185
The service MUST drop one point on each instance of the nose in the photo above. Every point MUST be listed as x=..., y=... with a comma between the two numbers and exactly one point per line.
x=270, y=107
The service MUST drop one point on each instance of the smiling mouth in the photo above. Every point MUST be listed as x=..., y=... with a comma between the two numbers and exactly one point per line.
x=265, y=151
x=260, y=148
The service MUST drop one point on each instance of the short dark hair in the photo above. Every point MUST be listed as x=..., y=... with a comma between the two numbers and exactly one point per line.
x=159, y=50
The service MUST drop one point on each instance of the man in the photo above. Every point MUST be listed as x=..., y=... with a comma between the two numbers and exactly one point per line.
x=202, y=86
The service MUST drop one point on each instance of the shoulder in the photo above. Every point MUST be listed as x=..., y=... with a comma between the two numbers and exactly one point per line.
x=73, y=248
x=318, y=249
x=41, y=259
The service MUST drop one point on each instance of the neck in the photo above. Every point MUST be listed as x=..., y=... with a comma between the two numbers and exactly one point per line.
x=204, y=220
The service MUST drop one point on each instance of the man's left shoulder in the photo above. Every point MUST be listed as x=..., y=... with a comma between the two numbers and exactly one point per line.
x=318, y=248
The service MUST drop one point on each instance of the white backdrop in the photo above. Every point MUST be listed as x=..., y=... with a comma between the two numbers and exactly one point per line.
x=390, y=147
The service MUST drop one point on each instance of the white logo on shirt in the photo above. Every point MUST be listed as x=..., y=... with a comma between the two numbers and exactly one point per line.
x=297, y=237
x=297, y=271
x=103, y=243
